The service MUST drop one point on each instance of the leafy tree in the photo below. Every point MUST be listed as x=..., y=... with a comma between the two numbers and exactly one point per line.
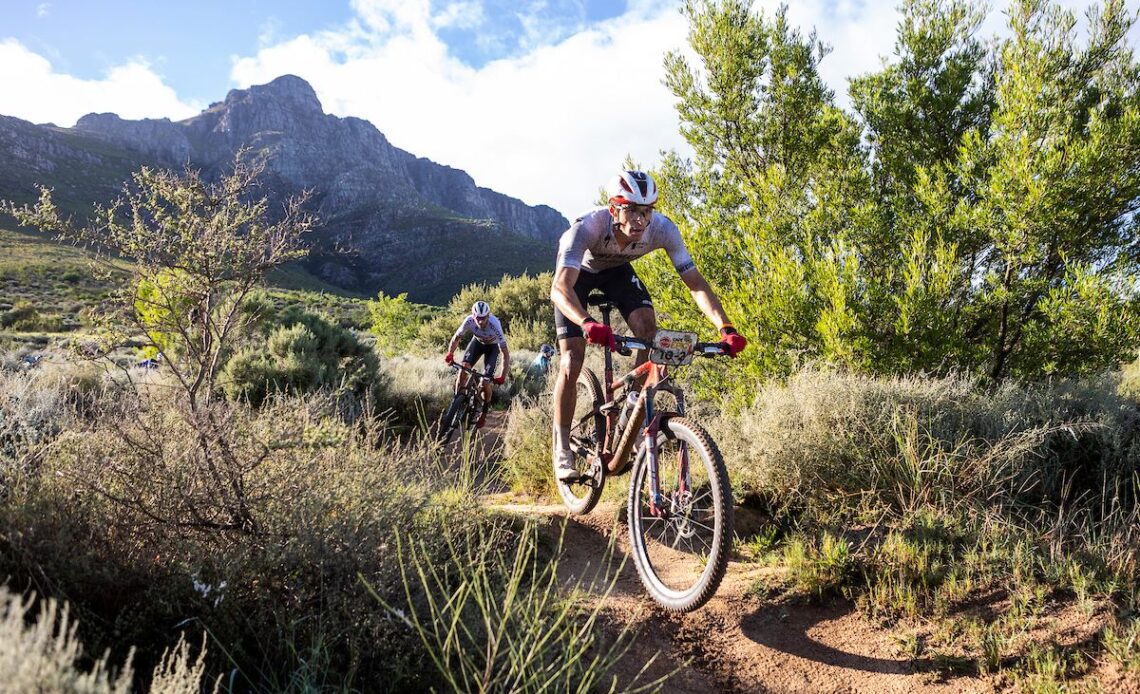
x=918, y=109
x=777, y=197
x=981, y=216
x=1050, y=284
x=199, y=250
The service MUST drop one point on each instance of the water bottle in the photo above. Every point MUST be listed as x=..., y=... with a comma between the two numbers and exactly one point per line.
x=630, y=403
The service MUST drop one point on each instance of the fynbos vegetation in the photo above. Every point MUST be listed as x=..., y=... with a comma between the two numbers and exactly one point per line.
x=932, y=426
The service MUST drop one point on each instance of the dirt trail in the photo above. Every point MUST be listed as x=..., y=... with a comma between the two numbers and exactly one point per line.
x=737, y=642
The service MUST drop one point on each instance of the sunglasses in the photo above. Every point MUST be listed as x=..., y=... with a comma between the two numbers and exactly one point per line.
x=636, y=210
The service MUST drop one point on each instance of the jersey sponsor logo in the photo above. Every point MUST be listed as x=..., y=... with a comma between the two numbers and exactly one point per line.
x=624, y=257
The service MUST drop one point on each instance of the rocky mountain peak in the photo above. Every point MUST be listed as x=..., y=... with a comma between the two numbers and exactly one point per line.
x=156, y=136
x=287, y=92
x=389, y=220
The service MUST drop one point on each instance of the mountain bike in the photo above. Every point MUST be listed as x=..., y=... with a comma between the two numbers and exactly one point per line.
x=680, y=501
x=463, y=412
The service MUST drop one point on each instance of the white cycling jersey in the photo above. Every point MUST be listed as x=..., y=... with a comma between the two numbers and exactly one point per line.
x=589, y=243
x=490, y=334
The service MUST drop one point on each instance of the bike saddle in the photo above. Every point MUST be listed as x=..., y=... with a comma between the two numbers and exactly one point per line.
x=600, y=301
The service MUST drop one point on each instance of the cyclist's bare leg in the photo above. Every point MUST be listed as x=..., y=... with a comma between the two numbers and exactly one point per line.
x=486, y=394
x=573, y=352
x=643, y=323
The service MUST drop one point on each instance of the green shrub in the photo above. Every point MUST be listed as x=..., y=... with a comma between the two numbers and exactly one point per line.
x=521, y=303
x=396, y=322
x=304, y=353
x=819, y=568
x=1122, y=643
x=25, y=317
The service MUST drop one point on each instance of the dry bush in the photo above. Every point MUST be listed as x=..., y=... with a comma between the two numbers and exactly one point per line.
x=36, y=406
x=144, y=521
x=824, y=434
x=45, y=655
x=527, y=467
x=418, y=382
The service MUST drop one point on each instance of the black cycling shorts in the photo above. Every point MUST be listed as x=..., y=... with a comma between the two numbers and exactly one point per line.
x=489, y=352
x=621, y=287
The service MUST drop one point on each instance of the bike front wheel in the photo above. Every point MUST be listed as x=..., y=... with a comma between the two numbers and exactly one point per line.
x=452, y=418
x=681, y=541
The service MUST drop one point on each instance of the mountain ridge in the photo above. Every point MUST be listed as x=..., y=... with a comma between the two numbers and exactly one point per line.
x=391, y=221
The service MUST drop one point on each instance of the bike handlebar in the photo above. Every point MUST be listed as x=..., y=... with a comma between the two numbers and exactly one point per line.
x=478, y=374
x=627, y=343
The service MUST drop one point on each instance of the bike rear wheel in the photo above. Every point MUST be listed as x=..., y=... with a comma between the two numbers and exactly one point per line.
x=681, y=555
x=587, y=433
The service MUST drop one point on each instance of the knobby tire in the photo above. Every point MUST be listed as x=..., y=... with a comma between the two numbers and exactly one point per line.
x=681, y=561
x=581, y=497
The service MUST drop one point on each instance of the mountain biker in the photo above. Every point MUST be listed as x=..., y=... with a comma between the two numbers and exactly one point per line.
x=595, y=253
x=487, y=340
x=541, y=364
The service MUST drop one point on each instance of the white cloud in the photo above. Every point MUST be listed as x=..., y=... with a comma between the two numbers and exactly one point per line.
x=43, y=10
x=34, y=91
x=463, y=15
x=549, y=126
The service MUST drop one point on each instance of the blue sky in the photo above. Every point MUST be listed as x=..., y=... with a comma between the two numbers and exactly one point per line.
x=192, y=45
x=538, y=99
x=189, y=43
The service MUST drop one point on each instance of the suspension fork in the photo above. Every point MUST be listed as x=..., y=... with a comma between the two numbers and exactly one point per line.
x=685, y=483
x=657, y=505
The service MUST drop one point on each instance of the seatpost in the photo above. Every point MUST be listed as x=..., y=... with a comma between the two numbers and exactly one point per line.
x=609, y=356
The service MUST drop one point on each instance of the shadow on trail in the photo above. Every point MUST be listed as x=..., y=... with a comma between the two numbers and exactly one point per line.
x=786, y=628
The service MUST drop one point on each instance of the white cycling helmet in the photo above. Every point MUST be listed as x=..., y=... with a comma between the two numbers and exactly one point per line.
x=632, y=188
x=480, y=309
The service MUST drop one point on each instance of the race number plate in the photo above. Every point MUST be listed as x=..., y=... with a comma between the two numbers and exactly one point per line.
x=672, y=347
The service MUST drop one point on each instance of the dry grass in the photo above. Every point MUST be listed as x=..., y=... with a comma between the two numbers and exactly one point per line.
x=44, y=655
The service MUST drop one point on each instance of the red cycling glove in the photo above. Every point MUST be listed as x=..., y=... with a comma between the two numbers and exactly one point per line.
x=598, y=334
x=449, y=357
x=500, y=380
x=733, y=341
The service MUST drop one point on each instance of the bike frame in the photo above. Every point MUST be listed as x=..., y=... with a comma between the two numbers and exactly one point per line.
x=473, y=387
x=655, y=377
